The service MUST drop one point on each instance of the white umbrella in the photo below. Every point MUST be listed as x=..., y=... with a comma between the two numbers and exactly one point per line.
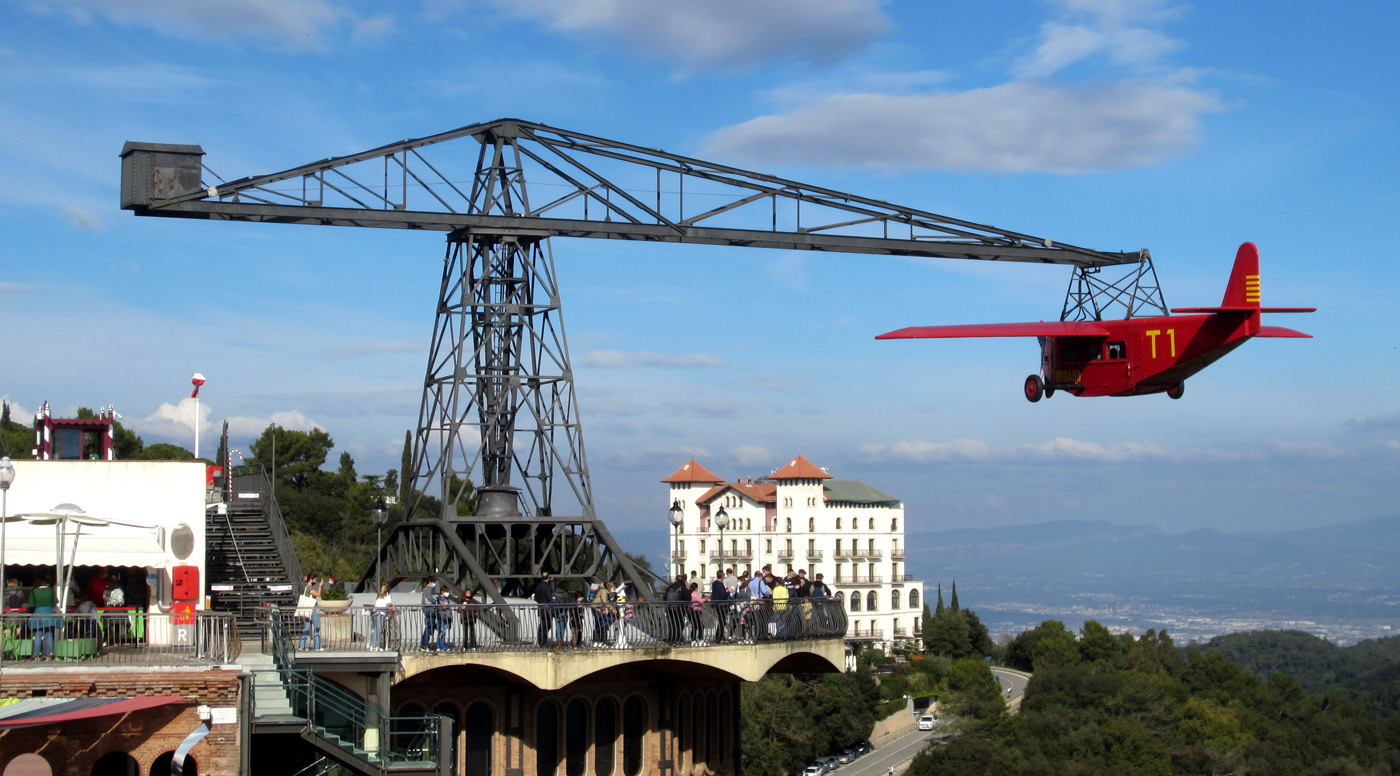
x=59, y=517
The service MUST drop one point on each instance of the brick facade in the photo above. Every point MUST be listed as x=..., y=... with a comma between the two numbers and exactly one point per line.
x=74, y=747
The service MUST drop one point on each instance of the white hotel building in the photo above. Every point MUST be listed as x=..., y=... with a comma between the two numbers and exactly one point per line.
x=798, y=517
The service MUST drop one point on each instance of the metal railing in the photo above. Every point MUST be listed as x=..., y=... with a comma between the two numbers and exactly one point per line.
x=346, y=720
x=897, y=552
x=535, y=627
x=119, y=638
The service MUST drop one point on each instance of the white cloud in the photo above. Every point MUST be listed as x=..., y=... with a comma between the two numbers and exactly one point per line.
x=249, y=426
x=1120, y=30
x=751, y=455
x=922, y=451
x=175, y=421
x=1012, y=127
x=1134, y=112
x=723, y=34
x=1120, y=452
x=618, y=359
x=16, y=288
x=371, y=30
x=296, y=24
x=82, y=219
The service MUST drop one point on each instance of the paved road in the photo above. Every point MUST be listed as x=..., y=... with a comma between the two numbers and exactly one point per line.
x=896, y=753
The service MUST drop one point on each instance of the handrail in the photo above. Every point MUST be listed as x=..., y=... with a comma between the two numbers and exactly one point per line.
x=118, y=638
x=535, y=627
x=339, y=716
x=278, y=527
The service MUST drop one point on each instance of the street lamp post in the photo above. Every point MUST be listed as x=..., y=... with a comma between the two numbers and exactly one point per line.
x=7, y=476
x=381, y=516
x=677, y=516
x=721, y=520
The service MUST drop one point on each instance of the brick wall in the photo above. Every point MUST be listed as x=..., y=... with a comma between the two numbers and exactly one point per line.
x=73, y=747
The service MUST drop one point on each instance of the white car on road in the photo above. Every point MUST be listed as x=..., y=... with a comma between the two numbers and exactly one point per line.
x=928, y=722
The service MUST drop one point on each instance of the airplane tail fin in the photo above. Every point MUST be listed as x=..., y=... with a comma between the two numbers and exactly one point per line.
x=1242, y=292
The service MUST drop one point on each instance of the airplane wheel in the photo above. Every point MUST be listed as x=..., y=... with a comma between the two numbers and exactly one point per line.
x=1177, y=390
x=1034, y=388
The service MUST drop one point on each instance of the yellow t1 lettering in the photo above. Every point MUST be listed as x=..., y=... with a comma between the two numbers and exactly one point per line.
x=1152, y=335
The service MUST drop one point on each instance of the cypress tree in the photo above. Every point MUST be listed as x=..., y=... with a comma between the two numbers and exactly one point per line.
x=406, y=470
x=953, y=602
x=939, y=610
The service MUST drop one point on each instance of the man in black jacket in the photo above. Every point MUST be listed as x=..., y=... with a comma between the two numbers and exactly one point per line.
x=719, y=599
x=676, y=593
x=544, y=596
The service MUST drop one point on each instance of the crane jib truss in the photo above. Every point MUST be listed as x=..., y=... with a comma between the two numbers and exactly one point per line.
x=498, y=408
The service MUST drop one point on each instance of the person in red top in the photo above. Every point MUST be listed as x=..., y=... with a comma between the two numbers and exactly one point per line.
x=96, y=587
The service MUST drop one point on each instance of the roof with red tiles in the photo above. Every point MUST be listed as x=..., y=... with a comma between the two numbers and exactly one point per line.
x=800, y=468
x=760, y=493
x=693, y=472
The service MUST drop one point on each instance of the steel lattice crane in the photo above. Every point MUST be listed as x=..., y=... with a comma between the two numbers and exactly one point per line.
x=498, y=405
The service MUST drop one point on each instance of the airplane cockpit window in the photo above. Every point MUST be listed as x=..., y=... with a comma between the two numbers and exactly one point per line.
x=1117, y=350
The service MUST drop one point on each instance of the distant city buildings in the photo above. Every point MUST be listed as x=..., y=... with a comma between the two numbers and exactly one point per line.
x=800, y=518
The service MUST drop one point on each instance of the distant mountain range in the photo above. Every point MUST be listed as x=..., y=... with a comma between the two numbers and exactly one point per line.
x=1339, y=582
x=1200, y=583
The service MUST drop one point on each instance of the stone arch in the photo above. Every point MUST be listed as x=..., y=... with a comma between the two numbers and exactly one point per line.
x=122, y=764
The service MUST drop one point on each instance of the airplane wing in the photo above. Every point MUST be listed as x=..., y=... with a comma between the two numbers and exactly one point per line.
x=1279, y=331
x=1039, y=329
x=1244, y=309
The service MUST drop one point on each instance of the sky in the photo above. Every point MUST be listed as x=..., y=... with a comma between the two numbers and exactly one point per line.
x=1185, y=129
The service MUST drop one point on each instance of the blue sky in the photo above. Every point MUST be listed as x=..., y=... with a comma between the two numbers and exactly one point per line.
x=1112, y=124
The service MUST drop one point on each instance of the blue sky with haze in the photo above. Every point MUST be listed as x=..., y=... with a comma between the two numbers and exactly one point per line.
x=1112, y=124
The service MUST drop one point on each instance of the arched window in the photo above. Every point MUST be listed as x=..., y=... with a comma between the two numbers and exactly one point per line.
x=37, y=765
x=894, y=600
x=546, y=738
x=811, y=525
x=411, y=729
x=855, y=602
x=872, y=602
x=872, y=523
x=633, y=732
x=913, y=599
x=576, y=738
x=123, y=764
x=789, y=525
x=604, y=737
x=480, y=725
x=838, y=523
x=894, y=524
x=448, y=710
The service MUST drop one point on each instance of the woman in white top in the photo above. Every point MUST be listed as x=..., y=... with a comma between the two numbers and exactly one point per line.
x=380, y=615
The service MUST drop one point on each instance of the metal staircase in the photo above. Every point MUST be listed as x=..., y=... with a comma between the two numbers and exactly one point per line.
x=349, y=731
x=248, y=557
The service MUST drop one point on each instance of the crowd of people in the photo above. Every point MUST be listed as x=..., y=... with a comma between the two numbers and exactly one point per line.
x=731, y=608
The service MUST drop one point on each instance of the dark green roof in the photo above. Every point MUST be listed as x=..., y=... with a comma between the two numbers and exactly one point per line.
x=856, y=492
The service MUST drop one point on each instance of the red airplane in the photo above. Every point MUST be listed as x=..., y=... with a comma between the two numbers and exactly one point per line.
x=1136, y=356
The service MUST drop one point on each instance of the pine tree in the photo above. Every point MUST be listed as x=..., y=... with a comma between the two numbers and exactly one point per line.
x=953, y=603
